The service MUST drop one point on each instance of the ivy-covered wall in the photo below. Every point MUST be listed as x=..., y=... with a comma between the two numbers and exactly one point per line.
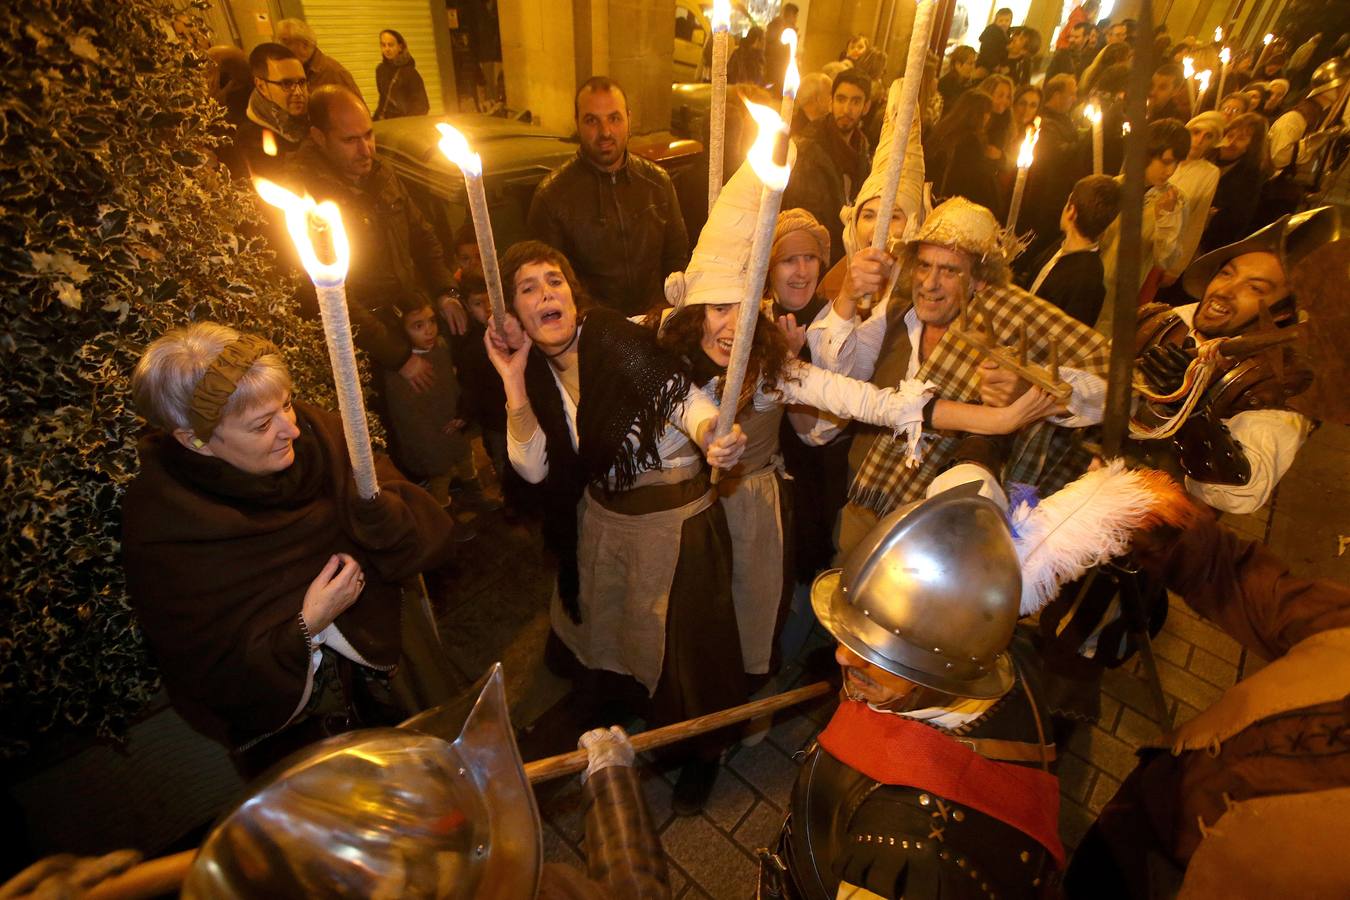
x=115, y=225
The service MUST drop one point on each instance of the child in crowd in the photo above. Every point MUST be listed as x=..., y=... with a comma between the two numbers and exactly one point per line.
x=1071, y=275
x=483, y=401
x=427, y=428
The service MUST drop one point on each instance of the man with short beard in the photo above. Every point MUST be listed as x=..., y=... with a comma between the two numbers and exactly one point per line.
x=1241, y=437
x=277, y=106
x=833, y=157
x=613, y=214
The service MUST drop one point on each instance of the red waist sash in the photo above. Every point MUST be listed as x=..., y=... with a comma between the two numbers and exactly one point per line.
x=896, y=750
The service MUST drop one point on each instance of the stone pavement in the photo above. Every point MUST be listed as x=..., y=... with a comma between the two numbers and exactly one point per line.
x=712, y=855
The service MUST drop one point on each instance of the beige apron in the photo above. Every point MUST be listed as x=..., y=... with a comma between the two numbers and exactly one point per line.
x=627, y=564
x=755, y=519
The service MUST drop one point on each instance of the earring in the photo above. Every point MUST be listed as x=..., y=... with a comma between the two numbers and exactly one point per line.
x=198, y=443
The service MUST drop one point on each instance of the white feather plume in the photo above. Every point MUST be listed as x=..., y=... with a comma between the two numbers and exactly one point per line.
x=1082, y=525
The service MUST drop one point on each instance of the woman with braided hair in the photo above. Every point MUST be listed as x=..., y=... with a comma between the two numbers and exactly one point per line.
x=267, y=589
x=611, y=427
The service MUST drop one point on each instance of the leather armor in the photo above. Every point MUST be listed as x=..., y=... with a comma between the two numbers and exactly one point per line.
x=1204, y=448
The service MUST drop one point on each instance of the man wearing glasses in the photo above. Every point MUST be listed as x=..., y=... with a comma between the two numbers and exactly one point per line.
x=277, y=107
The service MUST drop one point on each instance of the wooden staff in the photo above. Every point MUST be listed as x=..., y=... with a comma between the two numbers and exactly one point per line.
x=166, y=874
x=717, y=109
x=569, y=763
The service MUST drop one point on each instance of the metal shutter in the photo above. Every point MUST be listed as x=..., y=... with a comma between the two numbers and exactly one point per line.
x=349, y=31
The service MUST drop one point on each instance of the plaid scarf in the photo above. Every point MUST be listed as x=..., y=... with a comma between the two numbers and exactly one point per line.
x=1043, y=454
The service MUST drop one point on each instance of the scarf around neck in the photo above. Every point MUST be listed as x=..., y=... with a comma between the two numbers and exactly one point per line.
x=275, y=117
x=292, y=487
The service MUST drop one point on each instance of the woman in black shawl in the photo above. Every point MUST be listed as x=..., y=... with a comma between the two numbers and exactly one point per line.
x=610, y=426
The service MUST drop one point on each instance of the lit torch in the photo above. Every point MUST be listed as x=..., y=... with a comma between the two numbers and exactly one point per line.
x=791, y=79
x=1094, y=115
x=774, y=178
x=310, y=223
x=1218, y=35
x=470, y=164
x=1265, y=48
x=1025, y=156
x=269, y=142
x=717, y=122
x=1202, y=79
x=1188, y=69
x=1224, y=56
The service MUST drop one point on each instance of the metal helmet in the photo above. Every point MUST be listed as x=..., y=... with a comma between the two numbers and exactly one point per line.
x=387, y=812
x=931, y=594
x=1329, y=75
x=1290, y=238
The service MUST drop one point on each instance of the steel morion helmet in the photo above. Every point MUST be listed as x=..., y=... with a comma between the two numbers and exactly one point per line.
x=931, y=594
x=387, y=812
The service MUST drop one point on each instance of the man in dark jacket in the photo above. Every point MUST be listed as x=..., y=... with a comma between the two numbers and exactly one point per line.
x=775, y=51
x=395, y=253
x=277, y=106
x=319, y=67
x=1071, y=275
x=1070, y=59
x=833, y=158
x=614, y=215
x=994, y=42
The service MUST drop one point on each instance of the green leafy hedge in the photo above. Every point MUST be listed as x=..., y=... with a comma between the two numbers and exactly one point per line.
x=115, y=225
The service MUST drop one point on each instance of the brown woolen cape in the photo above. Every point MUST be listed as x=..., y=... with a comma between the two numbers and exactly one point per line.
x=217, y=584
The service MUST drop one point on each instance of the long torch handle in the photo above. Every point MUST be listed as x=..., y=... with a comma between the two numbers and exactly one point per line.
x=902, y=125
x=337, y=329
x=769, y=202
x=717, y=121
x=487, y=248
x=568, y=763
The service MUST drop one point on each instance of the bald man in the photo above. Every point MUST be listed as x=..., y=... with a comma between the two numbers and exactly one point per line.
x=397, y=261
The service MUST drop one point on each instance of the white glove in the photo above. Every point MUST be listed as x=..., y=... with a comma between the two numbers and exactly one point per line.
x=605, y=747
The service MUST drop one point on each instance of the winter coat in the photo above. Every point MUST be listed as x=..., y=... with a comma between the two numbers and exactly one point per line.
x=622, y=231
x=396, y=256
x=402, y=92
x=322, y=69
x=827, y=176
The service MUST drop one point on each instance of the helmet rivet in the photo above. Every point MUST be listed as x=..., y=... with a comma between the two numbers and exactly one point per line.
x=924, y=800
x=949, y=665
x=463, y=771
x=937, y=649
x=480, y=850
x=867, y=612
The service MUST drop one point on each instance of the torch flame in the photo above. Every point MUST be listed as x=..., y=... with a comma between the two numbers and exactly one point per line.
x=1203, y=79
x=269, y=142
x=721, y=15
x=1092, y=113
x=1225, y=55
x=1267, y=39
x=456, y=149
x=1218, y=35
x=761, y=154
x=791, y=78
x=303, y=214
x=1027, y=153
x=1188, y=67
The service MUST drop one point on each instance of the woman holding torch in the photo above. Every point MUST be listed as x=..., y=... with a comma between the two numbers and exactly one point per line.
x=616, y=434
x=267, y=587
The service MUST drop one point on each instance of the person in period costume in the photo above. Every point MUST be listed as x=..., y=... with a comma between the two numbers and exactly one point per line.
x=934, y=777
x=402, y=91
x=1235, y=434
x=268, y=590
x=958, y=257
x=614, y=431
x=701, y=329
x=1253, y=797
x=439, y=807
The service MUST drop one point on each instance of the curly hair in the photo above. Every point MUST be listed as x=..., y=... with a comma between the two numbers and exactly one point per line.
x=769, y=354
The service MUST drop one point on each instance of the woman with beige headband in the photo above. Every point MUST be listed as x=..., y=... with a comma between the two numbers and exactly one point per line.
x=267, y=590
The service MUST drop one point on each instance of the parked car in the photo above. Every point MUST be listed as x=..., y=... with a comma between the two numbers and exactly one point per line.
x=692, y=30
x=516, y=156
